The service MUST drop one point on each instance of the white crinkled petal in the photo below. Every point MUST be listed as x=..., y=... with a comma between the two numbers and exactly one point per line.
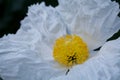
x=47, y=22
x=20, y=61
x=27, y=55
x=94, y=20
x=104, y=66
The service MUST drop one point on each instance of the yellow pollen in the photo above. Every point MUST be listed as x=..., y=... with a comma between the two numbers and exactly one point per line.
x=70, y=50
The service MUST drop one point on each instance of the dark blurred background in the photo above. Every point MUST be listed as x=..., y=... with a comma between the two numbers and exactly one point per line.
x=13, y=11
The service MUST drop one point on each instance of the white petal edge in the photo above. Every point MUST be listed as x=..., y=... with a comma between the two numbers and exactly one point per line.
x=93, y=20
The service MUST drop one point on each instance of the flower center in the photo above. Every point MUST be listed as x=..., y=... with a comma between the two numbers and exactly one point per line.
x=70, y=50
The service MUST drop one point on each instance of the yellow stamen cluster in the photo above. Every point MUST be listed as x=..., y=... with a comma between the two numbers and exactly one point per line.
x=70, y=50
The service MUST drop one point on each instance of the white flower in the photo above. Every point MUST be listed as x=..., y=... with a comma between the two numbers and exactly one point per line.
x=27, y=55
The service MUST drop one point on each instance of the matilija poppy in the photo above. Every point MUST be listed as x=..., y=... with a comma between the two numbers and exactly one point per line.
x=58, y=43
